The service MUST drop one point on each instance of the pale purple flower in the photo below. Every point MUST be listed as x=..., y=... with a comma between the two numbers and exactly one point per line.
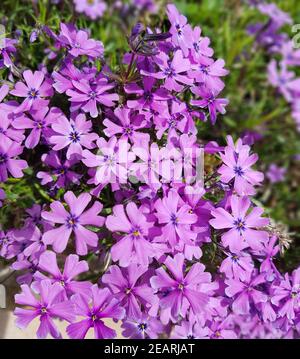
x=237, y=167
x=73, y=221
x=78, y=43
x=66, y=278
x=237, y=265
x=275, y=173
x=134, y=245
x=98, y=306
x=9, y=150
x=286, y=295
x=179, y=289
x=74, y=134
x=46, y=308
x=176, y=220
x=172, y=71
x=86, y=97
x=60, y=171
x=143, y=327
x=209, y=100
x=126, y=124
x=34, y=90
x=93, y=9
x=189, y=330
x=245, y=293
x=242, y=224
x=112, y=161
x=39, y=124
x=130, y=290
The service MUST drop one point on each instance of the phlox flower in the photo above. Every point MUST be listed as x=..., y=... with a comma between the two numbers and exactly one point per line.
x=237, y=167
x=180, y=289
x=189, y=330
x=7, y=129
x=242, y=227
x=148, y=97
x=112, y=161
x=98, y=306
x=60, y=171
x=78, y=43
x=46, y=308
x=142, y=327
x=72, y=268
x=128, y=287
x=286, y=295
x=199, y=46
x=93, y=9
x=74, y=134
x=176, y=219
x=7, y=49
x=208, y=99
x=275, y=173
x=180, y=29
x=73, y=221
x=34, y=90
x=237, y=265
x=172, y=71
x=39, y=124
x=9, y=150
x=134, y=246
x=126, y=124
x=245, y=293
x=85, y=96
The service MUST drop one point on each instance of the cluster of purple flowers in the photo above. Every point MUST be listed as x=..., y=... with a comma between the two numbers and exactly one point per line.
x=131, y=247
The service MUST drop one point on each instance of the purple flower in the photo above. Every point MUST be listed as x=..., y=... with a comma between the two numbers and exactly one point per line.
x=286, y=295
x=245, y=292
x=237, y=265
x=98, y=306
x=180, y=289
x=73, y=221
x=73, y=134
x=129, y=289
x=172, y=71
x=73, y=267
x=134, y=247
x=36, y=88
x=9, y=150
x=242, y=227
x=209, y=100
x=126, y=124
x=276, y=174
x=93, y=9
x=148, y=97
x=7, y=49
x=78, y=43
x=143, y=327
x=39, y=125
x=111, y=162
x=237, y=166
x=46, y=308
x=86, y=97
x=176, y=218
x=60, y=173
x=180, y=29
x=189, y=330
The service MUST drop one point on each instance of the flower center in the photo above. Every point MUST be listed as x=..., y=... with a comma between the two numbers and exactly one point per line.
x=72, y=221
x=240, y=225
x=174, y=219
x=33, y=93
x=238, y=170
x=142, y=326
x=3, y=158
x=74, y=136
x=43, y=310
